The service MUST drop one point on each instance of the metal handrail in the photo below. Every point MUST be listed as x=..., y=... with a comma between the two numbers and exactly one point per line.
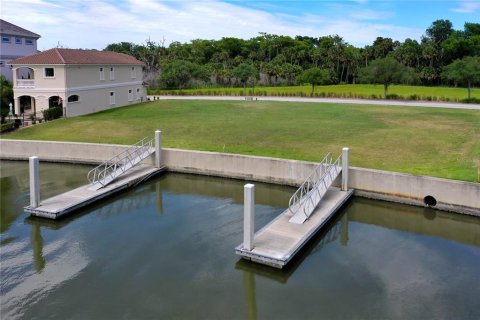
x=106, y=170
x=306, y=191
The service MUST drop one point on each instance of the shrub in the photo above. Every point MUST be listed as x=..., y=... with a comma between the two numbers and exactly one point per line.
x=7, y=126
x=471, y=100
x=52, y=113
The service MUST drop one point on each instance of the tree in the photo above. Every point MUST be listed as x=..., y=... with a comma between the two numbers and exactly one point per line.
x=315, y=76
x=386, y=71
x=464, y=71
x=178, y=73
x=439, y=31
x=245, y=72
x=6, y=97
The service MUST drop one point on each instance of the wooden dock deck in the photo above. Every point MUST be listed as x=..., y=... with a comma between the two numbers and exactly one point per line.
x=278, y=242
x=57, y=206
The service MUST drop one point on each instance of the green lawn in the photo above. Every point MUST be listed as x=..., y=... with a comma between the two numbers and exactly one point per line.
x=347, y=91
x=427, y=141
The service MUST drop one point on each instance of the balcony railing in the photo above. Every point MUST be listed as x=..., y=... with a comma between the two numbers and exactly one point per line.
x=25, y=83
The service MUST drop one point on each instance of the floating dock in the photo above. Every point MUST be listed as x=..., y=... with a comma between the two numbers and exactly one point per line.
x=58, y=206
x=278, y=242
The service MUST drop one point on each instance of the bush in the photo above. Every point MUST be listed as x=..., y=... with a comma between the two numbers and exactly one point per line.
x=7, y=126
x=52, y=113
x=471, y=100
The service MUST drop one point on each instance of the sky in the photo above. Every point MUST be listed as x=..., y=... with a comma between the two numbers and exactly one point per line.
x=93, y=24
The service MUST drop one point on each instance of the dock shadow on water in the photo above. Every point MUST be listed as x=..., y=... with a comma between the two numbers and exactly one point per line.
x=165, y=249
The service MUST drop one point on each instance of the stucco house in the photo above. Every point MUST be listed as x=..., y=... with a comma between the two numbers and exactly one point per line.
x=15, y=42
x=81, y=81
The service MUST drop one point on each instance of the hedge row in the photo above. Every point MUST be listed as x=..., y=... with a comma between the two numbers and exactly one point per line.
x=7, y=126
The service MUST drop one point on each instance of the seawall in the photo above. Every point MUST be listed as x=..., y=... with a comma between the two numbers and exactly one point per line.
x=450, y=195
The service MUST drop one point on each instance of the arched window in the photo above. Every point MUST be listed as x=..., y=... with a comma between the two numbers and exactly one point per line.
x=73, y=98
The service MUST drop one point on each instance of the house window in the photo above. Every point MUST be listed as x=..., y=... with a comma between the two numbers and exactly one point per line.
x=112, y=73
x=49, y=72
x=102, y=74
x=29, y=42
x=112, y=97
x=133, y=73
x=73, y=98
x=138, y=94
x=18, y=40
x=2, y=63
x=6, y=40
x=130, y=95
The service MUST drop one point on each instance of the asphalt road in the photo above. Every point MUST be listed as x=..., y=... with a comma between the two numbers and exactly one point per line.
x=425, y=104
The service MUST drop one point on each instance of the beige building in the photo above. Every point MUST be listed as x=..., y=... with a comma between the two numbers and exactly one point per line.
x=80, y=81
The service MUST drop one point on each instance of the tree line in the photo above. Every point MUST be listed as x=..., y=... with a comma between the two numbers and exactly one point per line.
x=273, y=60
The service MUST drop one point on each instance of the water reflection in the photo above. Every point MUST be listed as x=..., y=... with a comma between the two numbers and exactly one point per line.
x=146, y=251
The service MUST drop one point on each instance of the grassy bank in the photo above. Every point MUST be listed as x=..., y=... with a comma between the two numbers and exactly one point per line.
x=360, y=91
x=427, y=141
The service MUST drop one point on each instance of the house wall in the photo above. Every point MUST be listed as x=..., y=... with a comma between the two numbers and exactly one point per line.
x=94, y=100
x=12, y=50
x=87, y=75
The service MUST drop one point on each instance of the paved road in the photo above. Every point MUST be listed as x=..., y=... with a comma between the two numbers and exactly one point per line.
x=332, y=100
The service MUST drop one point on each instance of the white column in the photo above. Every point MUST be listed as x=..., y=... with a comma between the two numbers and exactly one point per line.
x=17, y=105
x=158, y=148
x=34, y=182
x=344, y=169
x=248, y=215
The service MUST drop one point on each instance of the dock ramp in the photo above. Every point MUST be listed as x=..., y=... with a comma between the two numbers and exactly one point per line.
x=308, y=196
x=111, y=169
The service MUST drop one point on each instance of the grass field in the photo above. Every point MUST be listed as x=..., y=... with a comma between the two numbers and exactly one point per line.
x=428, y=141
x=363, y=91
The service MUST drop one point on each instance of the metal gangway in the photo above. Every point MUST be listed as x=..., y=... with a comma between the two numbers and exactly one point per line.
x=106, y=172
x=306, y=198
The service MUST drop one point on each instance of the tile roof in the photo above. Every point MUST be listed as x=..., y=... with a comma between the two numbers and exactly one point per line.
x=8, y=28
x=76, y=56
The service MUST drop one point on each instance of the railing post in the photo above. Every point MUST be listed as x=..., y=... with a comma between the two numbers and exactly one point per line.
x=344, y=169
x=34, y=182
x=158, y=148
x=248, y=215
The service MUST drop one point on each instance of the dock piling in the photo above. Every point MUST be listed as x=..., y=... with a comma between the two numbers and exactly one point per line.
x=158, y=148
x=248, y=215
x=345, y=169
x=34, y=181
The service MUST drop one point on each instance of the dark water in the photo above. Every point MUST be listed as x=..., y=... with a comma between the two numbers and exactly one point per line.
x=166, y=250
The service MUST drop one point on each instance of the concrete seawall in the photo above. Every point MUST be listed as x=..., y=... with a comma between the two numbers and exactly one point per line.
x=450, y=195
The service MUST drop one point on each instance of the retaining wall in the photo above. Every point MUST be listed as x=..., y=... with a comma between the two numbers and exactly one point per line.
x=450, y=195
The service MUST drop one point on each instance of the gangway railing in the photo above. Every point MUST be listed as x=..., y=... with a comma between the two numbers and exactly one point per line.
x=306, y=198
x=106, y=172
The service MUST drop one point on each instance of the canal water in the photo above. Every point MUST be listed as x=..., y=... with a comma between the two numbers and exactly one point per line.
x=165, y=249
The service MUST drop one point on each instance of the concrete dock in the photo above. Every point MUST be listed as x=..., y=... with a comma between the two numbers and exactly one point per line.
x=57, y=206
x=278, y=242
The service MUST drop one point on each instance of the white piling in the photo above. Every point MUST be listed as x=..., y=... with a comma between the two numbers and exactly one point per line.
x=344, y=169
x=158, y=148
x=34, y=182
x=248, y=215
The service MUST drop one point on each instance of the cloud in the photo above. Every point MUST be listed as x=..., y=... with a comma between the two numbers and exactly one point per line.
x=467, y=7
x=95, y=24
